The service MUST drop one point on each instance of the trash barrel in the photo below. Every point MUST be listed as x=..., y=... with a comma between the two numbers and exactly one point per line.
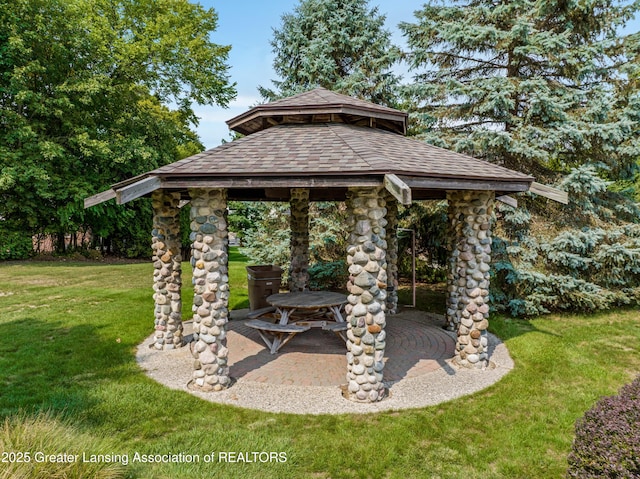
x=263, y=281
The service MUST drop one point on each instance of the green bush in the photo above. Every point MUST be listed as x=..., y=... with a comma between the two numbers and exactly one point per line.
x=15, y=245
x=607, y=441
x=25, y=439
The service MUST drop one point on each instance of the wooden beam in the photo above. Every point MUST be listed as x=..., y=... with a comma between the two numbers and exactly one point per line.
x=398, y=189
x=99, y=198
x=138, y=189
x=548, y=192
x=265, y=182
x=465, y=184
x=508, y=200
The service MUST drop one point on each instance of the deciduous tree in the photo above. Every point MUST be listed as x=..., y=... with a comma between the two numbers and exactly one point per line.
x=93, y=92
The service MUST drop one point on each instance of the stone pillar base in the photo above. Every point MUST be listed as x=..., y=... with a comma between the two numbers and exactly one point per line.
x=299, y=243
x=468, y=283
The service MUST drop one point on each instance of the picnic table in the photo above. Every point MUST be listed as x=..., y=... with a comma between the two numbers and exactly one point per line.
x=313, y=308
x=308, y=301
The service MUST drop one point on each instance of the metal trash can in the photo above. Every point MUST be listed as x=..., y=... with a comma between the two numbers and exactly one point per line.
x=263, y=281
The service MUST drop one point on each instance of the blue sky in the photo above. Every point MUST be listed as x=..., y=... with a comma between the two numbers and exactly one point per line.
x=247, y=25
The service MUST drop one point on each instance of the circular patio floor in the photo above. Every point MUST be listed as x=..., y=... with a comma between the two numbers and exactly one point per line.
x=317, y=358
x=306, y=374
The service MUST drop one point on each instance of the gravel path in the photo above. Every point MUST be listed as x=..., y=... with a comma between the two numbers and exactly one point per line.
x=425, y=381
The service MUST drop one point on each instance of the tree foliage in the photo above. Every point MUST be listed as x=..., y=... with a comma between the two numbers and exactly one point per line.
x=588, y=259
x=266, y=239
x=340, y=45
x=84, y=89
x=534, y=85
x=548, y=88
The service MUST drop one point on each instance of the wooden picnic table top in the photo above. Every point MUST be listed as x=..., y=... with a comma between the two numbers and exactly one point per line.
x=307, y=299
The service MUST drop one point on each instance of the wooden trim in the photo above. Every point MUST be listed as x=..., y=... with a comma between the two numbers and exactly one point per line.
x=242, y=123
x=277, y=182
x=138, y=189
x=508, y=200
x=549, y=192
x=99, y=198
x=398, y=188
x=466, y=184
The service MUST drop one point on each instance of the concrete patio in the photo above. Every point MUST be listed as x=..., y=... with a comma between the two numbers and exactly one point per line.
x=306, y=376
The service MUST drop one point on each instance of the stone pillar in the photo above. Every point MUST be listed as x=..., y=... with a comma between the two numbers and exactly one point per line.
x=167, y=270
x=455, y=238
x=299, y=226
x=366, y=257
x=211, y=288
x=392, y=254
x=470, y=216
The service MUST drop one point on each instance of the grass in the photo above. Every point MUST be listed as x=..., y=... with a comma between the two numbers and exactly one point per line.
x=68, y=333
x=27, y=437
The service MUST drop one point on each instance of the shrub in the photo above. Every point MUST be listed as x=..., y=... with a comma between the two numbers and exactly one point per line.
x=15, y=245
x=44, y=434
x=607, y=442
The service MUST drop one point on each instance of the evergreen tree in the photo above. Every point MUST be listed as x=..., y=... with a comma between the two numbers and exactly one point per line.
x=340, y=45
x=549, y=88
x=531, y=84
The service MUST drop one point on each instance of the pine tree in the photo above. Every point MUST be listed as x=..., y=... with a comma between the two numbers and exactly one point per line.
x=340, y=45
x=534, y=85
x=547, y=87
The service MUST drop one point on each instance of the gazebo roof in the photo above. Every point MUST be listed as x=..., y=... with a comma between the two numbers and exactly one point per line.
x=319, y=106
x=326, y=142
x=335, y=149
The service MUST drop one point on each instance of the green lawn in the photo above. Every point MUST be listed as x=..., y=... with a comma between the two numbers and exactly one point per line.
x=68, y=333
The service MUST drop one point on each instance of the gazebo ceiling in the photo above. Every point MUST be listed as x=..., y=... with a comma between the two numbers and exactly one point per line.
x=326, y=142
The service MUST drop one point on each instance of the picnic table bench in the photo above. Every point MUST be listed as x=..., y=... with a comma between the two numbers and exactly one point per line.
x=275, y=335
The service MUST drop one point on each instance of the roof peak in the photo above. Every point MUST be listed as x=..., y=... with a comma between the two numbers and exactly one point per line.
x=319, y=106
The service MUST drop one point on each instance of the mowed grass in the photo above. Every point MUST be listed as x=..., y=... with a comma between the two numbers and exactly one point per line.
x=68, y=334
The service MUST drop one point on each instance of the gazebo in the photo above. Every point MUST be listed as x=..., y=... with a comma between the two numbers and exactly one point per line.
x=315, y=146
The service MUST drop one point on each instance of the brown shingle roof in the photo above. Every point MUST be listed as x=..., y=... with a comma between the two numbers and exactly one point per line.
x=323, y=97
x=319, y=106
x=330, y=149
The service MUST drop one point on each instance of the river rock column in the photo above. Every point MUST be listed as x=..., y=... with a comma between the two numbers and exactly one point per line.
x=470, y=214
x=167, y=279
x=366, y=257
x=211, y=289
x=392, y=254
x=299, y=242
x=455, y=238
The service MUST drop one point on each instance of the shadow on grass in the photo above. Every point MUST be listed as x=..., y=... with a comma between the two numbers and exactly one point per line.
x=48, y=366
